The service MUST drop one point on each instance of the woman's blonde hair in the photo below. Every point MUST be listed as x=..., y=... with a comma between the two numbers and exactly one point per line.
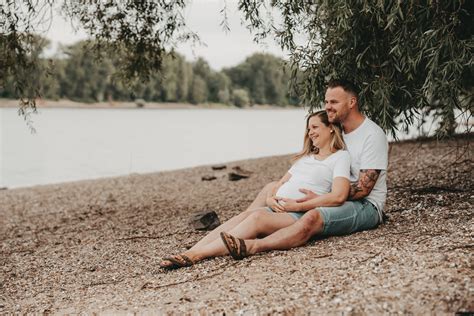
x=336, y=144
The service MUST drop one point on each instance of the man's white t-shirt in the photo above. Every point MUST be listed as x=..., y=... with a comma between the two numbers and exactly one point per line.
x=368, y=147
x=315, y=175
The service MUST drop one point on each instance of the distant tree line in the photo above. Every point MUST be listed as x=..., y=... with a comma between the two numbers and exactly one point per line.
x=78, y=74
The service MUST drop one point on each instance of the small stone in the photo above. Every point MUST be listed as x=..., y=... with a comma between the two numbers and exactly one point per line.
x=241, y=171
x=208, y=178
x=219, y=167
x=186, y=299
x=110, y=198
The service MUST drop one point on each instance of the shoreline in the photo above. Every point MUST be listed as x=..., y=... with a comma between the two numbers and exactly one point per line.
x=135, y=174
x=92, y=246
x=69, y=104
x=421, y=139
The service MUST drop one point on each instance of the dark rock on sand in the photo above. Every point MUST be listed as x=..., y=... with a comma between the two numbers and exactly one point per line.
x=205, y=220
x=219, y=167
x=239, y=174
x=208, y=178
x=239, y=170
x=236, y=177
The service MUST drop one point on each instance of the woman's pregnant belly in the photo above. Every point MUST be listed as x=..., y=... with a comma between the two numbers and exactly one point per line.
x=291, y=189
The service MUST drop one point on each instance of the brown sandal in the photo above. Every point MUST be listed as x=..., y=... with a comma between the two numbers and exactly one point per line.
x=177, y=261
x=236, y=246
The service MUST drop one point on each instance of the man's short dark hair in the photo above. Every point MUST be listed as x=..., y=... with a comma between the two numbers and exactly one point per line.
x=347, y=85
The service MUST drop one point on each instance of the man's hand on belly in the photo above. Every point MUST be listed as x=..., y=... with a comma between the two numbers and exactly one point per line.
x=309, y=195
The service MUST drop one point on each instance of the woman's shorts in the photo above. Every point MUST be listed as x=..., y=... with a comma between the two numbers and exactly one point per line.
x=350, y=217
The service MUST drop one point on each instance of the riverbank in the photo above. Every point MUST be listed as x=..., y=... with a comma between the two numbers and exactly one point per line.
x=68, y=104
x=93, y=246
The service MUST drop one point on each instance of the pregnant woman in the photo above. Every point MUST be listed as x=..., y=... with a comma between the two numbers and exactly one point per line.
x=323, y=167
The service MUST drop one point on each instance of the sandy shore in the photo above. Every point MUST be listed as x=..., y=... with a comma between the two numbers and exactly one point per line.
x=93, y=246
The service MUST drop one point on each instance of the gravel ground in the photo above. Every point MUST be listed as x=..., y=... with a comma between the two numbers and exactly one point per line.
x=93, y=246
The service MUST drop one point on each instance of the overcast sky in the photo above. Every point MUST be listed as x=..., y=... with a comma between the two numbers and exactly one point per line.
x=204, y=17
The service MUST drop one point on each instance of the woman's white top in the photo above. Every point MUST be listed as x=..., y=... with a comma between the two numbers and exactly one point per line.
x=315, y=175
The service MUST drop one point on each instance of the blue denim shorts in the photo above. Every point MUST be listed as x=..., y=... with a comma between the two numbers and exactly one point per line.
x=350, y=217
x=295, y=215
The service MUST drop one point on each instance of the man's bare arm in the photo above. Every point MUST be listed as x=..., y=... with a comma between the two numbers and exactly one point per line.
x=363, y=187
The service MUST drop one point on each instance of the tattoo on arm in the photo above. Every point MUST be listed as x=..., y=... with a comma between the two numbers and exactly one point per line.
x=365, y=184
x=354, y=190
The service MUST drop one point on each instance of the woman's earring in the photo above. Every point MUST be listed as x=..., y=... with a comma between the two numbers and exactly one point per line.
x=332, y=131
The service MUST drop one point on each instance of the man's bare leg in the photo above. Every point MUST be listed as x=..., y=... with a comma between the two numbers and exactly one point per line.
x=260, y=201
x=289, y=237
x=260, y=222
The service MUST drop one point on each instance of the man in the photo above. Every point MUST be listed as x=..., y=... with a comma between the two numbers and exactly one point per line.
x=368, y=147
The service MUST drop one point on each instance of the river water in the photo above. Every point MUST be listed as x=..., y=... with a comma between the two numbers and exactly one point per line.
x=73, y=144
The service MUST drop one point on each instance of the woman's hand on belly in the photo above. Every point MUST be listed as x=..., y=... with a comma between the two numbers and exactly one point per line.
x=290, y=205
x=273, y=203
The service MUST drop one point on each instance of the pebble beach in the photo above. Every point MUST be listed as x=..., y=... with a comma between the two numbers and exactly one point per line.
x=94, y=246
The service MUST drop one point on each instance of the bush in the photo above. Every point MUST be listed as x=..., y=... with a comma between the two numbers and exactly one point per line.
x=198, y=90
x=223, y=96
x=140, y=103
x=240, y=97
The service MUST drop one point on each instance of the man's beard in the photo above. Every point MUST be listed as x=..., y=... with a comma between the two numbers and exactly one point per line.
x=333, y=117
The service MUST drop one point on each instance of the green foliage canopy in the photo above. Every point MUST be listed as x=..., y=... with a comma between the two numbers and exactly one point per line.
x=407, y=56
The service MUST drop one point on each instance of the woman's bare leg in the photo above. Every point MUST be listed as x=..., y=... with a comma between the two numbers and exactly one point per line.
x=259, y=222
x=228, y=225
x=260, y=201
